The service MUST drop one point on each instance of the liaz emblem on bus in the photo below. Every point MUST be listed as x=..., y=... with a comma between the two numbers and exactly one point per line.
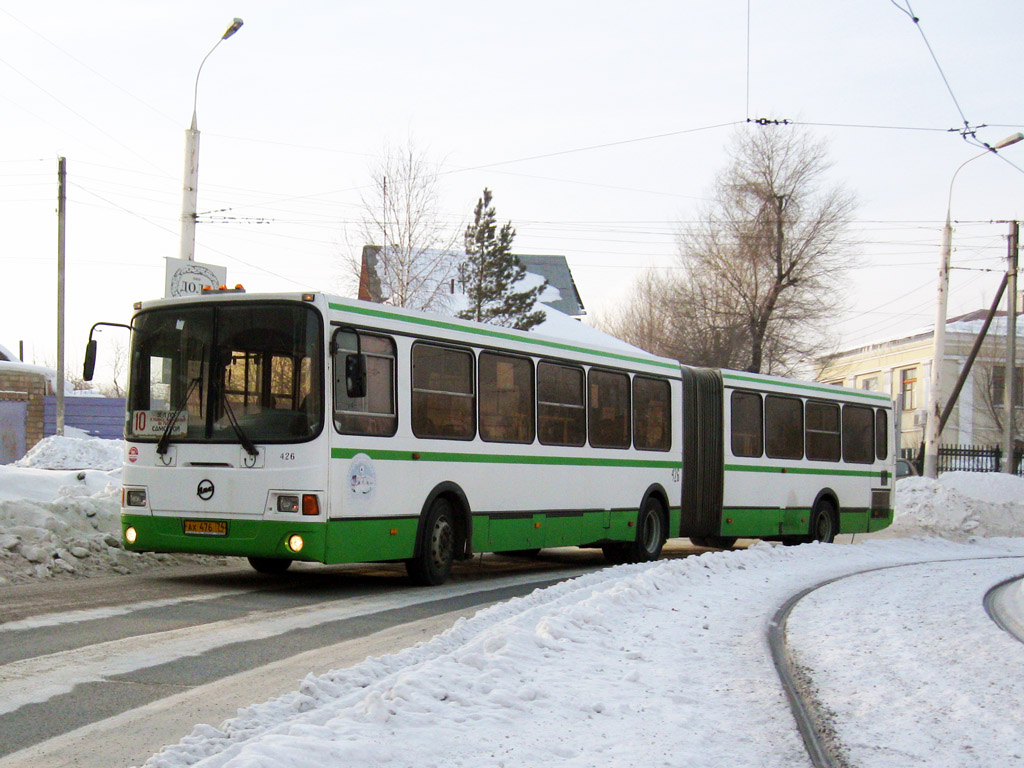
x=155, y=422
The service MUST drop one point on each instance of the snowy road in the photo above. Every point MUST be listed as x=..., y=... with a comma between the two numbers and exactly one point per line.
x=65, y=671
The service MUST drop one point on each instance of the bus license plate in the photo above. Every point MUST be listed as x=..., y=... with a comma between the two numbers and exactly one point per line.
x=206, y=528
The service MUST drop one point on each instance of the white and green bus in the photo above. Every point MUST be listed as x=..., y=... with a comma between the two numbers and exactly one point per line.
x=306, y=427
x=285, y=427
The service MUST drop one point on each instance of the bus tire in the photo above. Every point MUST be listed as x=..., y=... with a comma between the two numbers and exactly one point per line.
x=651, y=532
x=823, y=522
x=270, y=565
x=432, y=564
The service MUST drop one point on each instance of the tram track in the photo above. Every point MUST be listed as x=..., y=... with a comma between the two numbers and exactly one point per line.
x=997, y=605
x=812, y=720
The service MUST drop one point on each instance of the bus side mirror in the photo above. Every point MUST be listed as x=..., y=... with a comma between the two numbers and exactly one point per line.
x=90, y=360
x=355, y=375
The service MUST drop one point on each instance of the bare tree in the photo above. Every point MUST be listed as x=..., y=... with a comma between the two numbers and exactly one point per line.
x=118, y=369
x=413, y=264
x=761, y=272
x=642, y=320
x=991, y=387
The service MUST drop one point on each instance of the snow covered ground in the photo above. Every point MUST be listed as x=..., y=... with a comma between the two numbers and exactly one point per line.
x=657, y=664
x=60, y=514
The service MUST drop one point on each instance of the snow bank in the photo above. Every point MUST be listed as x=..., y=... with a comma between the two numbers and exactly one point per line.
x=74, y=453
x=60, y=519
x=959, y=506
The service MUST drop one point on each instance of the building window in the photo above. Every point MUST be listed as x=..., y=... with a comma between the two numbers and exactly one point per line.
x=869, y=384
x=999, y=387
x=908, y=388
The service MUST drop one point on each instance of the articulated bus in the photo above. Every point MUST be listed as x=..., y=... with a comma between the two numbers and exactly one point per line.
x=305, y=427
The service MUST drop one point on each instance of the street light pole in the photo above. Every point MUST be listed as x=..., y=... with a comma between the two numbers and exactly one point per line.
x=931, y=437
x=190, y=194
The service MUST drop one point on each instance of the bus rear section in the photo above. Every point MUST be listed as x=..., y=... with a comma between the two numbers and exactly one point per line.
x=225, y=430
x=784, y=460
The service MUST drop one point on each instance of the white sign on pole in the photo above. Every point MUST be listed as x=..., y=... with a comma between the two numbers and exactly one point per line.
x=187, y=278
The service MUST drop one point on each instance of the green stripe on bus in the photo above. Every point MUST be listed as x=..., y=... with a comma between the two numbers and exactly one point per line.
x=802, y=470
x=495, y=334
x=828, y=389
x=497, y=458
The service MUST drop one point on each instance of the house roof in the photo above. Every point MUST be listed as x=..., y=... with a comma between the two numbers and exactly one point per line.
x=966, y=325
x=555, y=269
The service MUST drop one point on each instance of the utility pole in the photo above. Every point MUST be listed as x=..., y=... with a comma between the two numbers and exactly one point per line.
x=1010, y=393
x=61, y=199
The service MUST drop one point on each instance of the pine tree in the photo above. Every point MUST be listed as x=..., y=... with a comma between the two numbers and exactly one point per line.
x=491, y=271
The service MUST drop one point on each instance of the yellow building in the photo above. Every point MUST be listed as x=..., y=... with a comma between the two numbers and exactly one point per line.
x=903, y=366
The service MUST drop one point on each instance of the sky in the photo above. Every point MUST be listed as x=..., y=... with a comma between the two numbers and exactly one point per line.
x=599, y=130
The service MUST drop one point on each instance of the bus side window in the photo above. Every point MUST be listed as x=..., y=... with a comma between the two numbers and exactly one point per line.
x=374, y=413
x=609, y=409
x=881, y=434
x=561, y=405
x=443, y=400
x=747, y=425
x=652, y=414
x=506, y=398
x=858, y=434
x=784, y=427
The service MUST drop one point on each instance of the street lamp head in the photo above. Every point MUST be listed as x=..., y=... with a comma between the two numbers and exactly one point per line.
x=237, y=25
x=998, y=145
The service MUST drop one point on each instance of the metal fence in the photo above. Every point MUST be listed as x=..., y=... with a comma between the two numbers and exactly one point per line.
x=967, y=458
x=99, y=416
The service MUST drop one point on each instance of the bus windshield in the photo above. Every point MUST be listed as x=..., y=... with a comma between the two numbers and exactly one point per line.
x=227, y=373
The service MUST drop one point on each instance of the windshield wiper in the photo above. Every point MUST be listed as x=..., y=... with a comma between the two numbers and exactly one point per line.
x=243, y=438
x=165, y=438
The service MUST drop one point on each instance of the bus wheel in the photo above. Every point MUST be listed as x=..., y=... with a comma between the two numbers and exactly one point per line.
x=270, y=565
x=650, y=533
x=433, y=563
x=823, y=523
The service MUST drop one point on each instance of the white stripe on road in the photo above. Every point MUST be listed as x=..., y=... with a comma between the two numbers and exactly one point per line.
x=35, y=680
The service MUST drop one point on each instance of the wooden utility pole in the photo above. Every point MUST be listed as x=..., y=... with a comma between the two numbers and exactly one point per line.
x=1010, y=389
x=61, y=199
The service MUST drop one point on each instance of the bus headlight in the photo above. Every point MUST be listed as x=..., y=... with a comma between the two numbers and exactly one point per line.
x=130, y=534
x=288, y=504
x=135, y=497
x=295, y=543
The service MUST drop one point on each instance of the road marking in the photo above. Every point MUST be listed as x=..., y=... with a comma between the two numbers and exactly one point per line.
x=36, y=680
